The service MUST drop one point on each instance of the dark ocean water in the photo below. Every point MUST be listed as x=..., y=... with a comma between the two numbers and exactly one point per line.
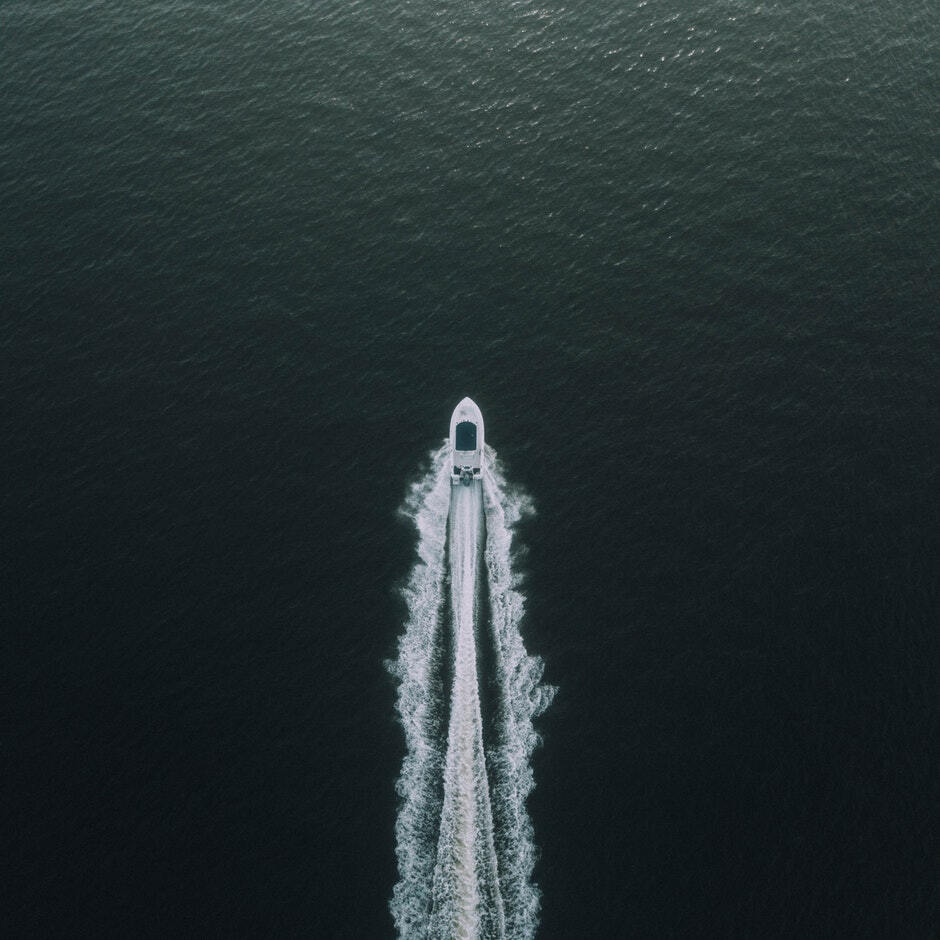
x=684, y=257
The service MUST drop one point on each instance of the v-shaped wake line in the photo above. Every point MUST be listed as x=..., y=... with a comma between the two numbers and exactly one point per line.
x=464, y=840
x=466, y=899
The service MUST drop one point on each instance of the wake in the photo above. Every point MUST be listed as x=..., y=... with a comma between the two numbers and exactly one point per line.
x=464, y=840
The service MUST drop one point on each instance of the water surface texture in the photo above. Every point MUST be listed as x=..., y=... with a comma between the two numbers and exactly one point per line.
x=685, y=258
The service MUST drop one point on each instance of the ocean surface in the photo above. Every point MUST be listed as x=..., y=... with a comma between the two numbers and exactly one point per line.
x=686, y=259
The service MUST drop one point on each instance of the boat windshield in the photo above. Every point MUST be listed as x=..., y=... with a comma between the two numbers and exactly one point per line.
x=466, y=436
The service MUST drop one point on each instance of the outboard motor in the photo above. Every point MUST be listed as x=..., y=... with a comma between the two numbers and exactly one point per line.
x=466, y=476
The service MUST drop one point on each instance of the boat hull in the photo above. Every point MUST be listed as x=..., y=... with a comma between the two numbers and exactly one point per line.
x=466, y=443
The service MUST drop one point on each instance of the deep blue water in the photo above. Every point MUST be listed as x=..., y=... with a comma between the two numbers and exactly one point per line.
x=685, y=258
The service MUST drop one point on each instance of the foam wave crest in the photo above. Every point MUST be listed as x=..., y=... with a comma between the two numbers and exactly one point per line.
x=420, y=708
x=521, y=697
x=464, y=840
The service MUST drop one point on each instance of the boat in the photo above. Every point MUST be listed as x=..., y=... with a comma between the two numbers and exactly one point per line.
x=466, y=443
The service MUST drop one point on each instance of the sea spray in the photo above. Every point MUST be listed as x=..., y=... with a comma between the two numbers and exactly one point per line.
x=464, y=840
x=466, y=900
x=521, y=698
x=420, y=705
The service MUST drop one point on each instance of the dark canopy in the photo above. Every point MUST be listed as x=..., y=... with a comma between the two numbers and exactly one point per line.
x=466, y=436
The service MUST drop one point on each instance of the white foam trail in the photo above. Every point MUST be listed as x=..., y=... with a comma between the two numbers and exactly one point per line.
x=521, y=698
x=419, y=702
x=467, y=903
x=464, y=840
